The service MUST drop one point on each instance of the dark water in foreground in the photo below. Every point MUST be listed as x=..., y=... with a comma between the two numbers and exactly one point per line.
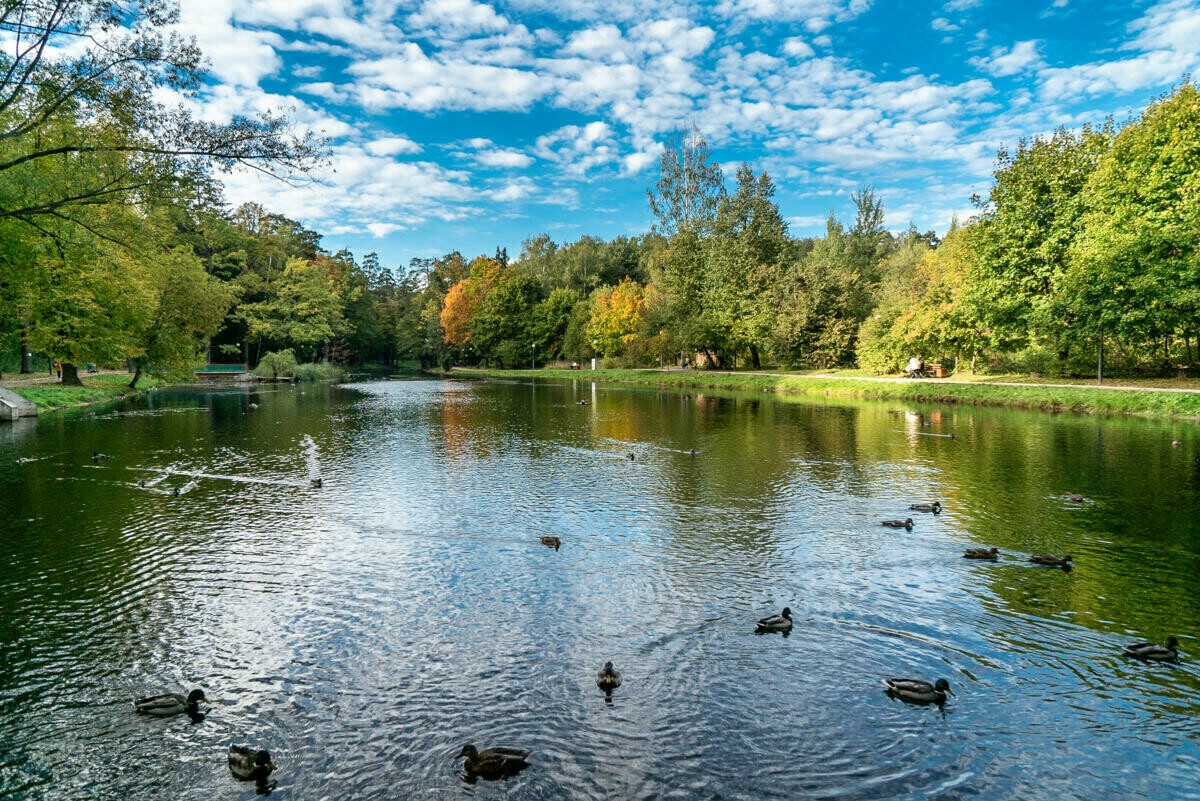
x=365, y=631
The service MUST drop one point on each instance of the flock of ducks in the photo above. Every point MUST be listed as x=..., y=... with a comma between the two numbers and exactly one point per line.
x=250, y=764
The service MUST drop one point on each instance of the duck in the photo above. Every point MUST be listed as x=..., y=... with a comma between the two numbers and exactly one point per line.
x=1073, y=496
x=982, y=553
x=316, y=483
x=248, y=764
x=780, y=622
x=1166, y=651
x=167, y=704
x=97, y=456
x=583, y=403
x=252, y=405
x=630, y=457
x=935, y=507
x=142, y=483
x=905, y=523
x=918, y=691
x=494, y=763
x=609, y=678
x=551, y=542
x=1051, y=560
x=692, y=452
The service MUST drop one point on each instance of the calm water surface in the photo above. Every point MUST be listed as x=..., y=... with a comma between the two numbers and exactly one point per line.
x=365, y=631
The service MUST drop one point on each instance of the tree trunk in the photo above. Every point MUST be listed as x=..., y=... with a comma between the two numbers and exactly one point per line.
x=136, y=375
x=26, y=356
x=754, y=357
x=70, y=375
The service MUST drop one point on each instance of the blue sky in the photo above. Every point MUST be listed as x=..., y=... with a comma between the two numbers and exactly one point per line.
x=459, y=124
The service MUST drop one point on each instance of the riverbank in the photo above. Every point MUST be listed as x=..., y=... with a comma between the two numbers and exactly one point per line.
x=1147, y=402
x=51, y=395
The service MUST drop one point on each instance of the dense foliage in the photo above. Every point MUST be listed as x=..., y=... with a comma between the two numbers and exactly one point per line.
x=1085, y=237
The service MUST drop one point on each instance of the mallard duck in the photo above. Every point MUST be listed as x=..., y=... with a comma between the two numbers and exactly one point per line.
x=780, y=622
x=97, y=456
x=609, y=678
x=905, y=523
x=918, y=691
x=249, y=764
x=1167, y=651
x=494, y=763
x=166, y=704
x=1073, y=496
x=630, y=457
x=692, y=452
x=982, y=553
x=551, y=542
x=1051, y=560
x=935, y=507
x=316, y=483
x=143, y=483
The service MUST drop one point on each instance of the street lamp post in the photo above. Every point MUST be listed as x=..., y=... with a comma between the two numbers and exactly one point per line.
x=533, y=357
x=595, y=344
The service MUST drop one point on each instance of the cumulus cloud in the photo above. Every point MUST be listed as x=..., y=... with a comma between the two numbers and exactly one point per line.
x=392, y=146
x=1021, y=57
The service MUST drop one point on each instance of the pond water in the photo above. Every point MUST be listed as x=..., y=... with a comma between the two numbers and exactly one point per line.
x=364, y=631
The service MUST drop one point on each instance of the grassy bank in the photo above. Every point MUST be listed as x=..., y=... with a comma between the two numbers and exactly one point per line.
x=95, y=389
x=1083, y=399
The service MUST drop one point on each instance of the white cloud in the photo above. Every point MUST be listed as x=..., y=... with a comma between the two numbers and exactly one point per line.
x=392, y=146
x=961, y=5
x=410, y=79
x=380, y=230
x=1022, y=57
x=579, y=149
x=456, y=19
x=797, y=48
x=943, y=24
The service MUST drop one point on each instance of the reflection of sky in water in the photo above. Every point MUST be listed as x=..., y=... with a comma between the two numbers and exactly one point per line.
x=366, y=630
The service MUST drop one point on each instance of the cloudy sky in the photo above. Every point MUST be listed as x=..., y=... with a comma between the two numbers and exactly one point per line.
x=458, y=124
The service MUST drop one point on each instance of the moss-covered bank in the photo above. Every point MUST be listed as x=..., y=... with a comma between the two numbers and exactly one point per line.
x=1088, y=400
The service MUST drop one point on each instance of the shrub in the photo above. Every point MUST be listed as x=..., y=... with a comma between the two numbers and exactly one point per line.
x=281, y=364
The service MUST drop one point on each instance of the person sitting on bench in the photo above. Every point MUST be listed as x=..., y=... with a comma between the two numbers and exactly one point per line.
x=915, y=368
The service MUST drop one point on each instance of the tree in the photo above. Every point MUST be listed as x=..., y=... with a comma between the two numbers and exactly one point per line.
x=79, y=100
x=744, y=261
x=1026, y=228
x=1135, y=269
x=689, y=186
x=188, y=306
x=616, y=316
x=504, y=326
x=305, y=311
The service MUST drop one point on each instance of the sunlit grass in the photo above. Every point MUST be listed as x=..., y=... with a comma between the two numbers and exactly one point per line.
x=95, y=389
x=1082, y=398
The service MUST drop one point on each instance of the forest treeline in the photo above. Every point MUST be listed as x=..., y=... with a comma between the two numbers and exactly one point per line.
x=117, y=248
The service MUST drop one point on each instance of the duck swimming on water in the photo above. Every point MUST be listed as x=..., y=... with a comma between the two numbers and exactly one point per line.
x=917, y=691
x=249, y=764
x=780, y=622
x=1049, y=560
x=609, y=678
x=494, y=763
x=982, y=553
x=167, y=704
x=551, y=542
x=1167, y=651
x=935, y=507
x=905, y=523
x=97, y=456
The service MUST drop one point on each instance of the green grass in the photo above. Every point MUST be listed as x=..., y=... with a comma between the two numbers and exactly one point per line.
x=1083, y=399
x=95, y=389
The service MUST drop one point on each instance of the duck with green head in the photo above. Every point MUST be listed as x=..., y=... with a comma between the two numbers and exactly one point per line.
x=918, y=691
x=167, y=704
x=1167, y=651
x=250, y=764
x=780, y=622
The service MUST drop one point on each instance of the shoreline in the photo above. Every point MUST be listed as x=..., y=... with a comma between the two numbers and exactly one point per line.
x=1114, y=401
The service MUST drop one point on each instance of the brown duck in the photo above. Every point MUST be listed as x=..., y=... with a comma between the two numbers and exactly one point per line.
x=494, y=763
x=982, y=553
